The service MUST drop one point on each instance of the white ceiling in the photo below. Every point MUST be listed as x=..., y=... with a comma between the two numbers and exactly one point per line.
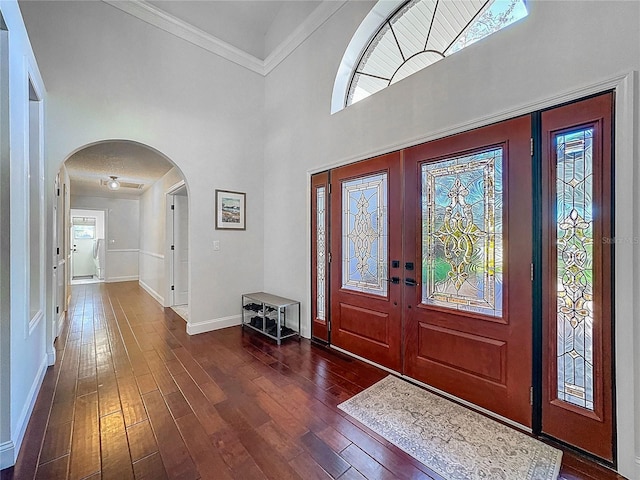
x=256, y=27
x=245, y=24
x=130, y=162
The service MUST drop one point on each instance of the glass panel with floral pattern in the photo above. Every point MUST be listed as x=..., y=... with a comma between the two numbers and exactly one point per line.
x=321, y=239
x=574, y=233
x=364, y=234
x=462, y=233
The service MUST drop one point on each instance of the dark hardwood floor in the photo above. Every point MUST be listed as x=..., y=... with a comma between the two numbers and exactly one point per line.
x=133, y=396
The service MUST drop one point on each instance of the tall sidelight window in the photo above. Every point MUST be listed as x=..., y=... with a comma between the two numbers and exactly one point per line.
x=321, y=248
x=577, y=281
x=574, y=267
x=35, y=196
x=320, y=256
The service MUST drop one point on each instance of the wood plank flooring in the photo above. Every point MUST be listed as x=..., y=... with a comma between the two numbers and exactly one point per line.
x=133, y=396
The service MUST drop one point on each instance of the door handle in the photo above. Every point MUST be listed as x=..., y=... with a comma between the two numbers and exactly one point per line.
x=410, y=282
x=395, y=280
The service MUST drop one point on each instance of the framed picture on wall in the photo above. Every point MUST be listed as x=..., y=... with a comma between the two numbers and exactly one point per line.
x=230, y=210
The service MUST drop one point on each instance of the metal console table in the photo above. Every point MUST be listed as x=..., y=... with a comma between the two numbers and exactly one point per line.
x=267, y=314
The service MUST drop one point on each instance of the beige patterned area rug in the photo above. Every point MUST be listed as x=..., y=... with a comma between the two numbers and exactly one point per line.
x=452, y=440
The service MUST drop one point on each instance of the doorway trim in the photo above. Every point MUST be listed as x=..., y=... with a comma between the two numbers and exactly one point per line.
x=169, y=267
x=627, y=306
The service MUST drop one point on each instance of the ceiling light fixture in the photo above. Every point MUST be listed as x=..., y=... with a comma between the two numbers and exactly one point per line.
x=113, y=184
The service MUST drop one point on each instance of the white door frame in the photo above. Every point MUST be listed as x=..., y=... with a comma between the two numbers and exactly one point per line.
x=169, y=260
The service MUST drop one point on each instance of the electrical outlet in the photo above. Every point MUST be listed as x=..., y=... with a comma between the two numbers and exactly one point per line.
x=216, y=245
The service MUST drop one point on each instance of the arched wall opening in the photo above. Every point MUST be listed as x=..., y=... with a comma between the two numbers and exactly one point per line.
x=129, y=181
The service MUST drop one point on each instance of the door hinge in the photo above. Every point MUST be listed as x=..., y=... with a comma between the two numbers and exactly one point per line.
x=329, y=188
x=173, y=247
x=530, y=395
x=57, y=310
x=532, y=146
x=58, y=251
x=173, y=287
x=532, y=272
x=58, y=192
x=173, y=207
x=329, y=257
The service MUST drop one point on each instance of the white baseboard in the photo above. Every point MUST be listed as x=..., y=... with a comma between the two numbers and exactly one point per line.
x=25, y=415
x=215, y=324
x=121, y=279
x=158, y=298
x=7, y=454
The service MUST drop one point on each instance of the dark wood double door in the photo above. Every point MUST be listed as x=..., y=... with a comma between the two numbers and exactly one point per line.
x=440, y=306
x=432, y=272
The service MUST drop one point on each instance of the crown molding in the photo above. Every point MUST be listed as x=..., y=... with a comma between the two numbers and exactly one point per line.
x=159, y=18
x=170, y=24
x=318, y=17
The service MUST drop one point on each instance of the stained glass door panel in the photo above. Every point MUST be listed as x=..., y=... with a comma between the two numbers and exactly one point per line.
x=462, y=232
x=366, y=215
x=364, y=234
x=577, y=405
x=468, y=321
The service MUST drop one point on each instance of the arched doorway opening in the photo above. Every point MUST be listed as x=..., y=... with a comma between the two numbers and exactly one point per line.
x=127, y=182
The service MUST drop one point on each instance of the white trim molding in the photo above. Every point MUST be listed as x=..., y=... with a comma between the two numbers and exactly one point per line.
x=157, y=297
x=318, y=17
x=27, y=410
x=193, y=328
x=7, y=454
x=152, y=254
x=157, y=17
x=129, y=278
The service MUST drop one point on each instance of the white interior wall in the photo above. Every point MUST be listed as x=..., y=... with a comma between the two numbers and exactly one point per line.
x=6, y=446
x=211, y=126
x=561, y=47
x=202, y=112
x=23, y=366
x=153, y=216
x=122, y=234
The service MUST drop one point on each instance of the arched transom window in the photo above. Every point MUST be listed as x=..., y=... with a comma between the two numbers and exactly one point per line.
x=421, y=32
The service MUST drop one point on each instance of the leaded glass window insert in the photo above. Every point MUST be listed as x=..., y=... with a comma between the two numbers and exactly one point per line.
x=462, y=245
x=422, y=32
x=365, y=235
x=574, y=257
x=321, y=239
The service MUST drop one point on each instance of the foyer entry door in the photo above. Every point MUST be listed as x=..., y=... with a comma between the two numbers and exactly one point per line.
x=366, y=249
x=467, y=224
x=578, y=240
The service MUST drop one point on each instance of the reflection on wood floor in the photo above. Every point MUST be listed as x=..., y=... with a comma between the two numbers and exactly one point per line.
x=133, y=396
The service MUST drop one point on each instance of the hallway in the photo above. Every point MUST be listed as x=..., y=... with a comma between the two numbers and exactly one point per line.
x=133, y=396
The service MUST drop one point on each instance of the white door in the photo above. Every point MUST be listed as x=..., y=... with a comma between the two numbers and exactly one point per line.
x=84, y=238
x=181, y=249
x=59, y=264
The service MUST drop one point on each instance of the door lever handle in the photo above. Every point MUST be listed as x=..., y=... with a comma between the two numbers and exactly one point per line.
x=410, y=282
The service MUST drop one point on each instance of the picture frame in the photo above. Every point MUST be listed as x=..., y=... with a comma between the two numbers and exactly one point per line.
x=230, y=210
